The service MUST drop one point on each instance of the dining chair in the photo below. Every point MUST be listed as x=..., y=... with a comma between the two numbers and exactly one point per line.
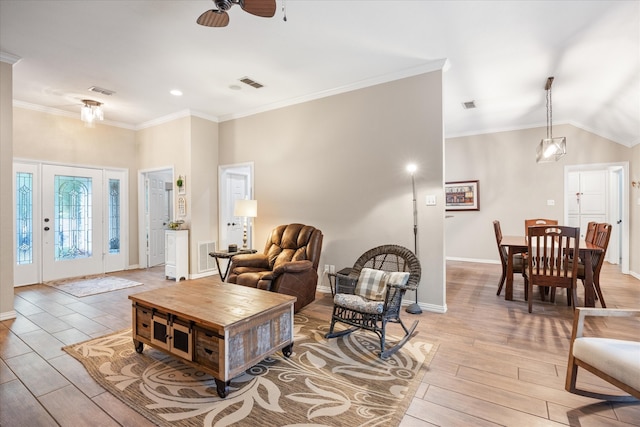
x=518, y=260
x=601, y=237
x=549, y=259
x=538, y=221
x=591, y=232
x=535, y=222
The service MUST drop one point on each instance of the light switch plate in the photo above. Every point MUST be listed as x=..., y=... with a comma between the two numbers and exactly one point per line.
x=431, y=200
x=551, y=202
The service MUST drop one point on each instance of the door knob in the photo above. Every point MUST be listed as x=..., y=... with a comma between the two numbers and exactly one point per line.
x=46, y=229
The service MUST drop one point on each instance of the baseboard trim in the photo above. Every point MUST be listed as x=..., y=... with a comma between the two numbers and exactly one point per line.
x=7, y=315
x=634, y=274
x=478, y=260
x=201, y=275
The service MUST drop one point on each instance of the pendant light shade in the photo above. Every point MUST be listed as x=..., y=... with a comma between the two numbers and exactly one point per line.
x=550, y=149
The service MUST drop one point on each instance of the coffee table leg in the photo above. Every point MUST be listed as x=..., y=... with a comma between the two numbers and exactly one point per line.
x=138, y=345
x=287, y=350
x=222, y=387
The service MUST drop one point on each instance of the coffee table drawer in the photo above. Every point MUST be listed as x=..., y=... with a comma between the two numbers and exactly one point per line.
x=143, y=322
x=207, y=348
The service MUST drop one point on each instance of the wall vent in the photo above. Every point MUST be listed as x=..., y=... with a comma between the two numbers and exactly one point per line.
x=206, y=262
x=251, y=82
x=469, y=105
x=101, y=90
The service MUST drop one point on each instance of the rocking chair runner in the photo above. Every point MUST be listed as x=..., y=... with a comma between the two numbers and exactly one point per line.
x=357, y=305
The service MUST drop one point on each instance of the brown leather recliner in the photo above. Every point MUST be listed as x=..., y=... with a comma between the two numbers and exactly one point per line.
x=289, y=264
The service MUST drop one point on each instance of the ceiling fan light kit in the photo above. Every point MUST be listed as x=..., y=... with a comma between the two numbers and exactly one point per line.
x=550, y=149
x=220, y=18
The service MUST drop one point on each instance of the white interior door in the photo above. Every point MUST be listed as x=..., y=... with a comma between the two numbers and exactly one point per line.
x=158, y=217
x=587, y=198
x=236, y=182
x=604, y=197
x=72, y=219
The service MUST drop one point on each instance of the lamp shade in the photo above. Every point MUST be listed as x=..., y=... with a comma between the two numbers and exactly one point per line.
x=246, y=208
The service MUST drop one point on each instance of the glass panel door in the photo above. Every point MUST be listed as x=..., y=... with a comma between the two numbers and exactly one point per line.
x=72, y=222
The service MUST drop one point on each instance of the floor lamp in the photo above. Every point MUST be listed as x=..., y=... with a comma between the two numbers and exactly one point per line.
x=246, y=209
x=415, y=307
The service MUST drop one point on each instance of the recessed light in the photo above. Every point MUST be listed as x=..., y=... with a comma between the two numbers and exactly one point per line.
x=235, y=87
x=176, y=92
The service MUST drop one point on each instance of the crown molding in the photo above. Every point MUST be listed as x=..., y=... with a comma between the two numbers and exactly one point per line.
x=9, y=58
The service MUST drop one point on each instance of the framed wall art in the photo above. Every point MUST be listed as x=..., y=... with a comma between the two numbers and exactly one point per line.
x=462, y=196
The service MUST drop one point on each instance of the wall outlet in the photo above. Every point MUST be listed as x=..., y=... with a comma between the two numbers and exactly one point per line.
x=431, y=200
x=326, y=268
x=332, y=268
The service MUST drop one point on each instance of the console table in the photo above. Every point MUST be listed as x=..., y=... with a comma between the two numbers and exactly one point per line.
x=221, y=328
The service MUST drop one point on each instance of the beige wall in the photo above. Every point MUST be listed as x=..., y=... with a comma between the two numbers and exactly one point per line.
x=6, y=191
x=203, y=186
x=338, y=163
x=513, y=186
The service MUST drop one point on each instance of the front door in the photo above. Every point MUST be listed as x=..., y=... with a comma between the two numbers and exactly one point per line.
x=71, y=222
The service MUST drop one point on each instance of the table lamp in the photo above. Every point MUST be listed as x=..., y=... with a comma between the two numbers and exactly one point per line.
x=246, y=209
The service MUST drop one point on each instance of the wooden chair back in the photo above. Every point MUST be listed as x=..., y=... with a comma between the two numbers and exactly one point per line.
x=591, y=232
x=538, y=221
x=601, y=239
x=550, y=258
x=502, y=251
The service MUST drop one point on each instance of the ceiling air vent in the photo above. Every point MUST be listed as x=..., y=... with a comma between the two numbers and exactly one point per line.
x=469, y=105
x=101, y=90
x=251, y=82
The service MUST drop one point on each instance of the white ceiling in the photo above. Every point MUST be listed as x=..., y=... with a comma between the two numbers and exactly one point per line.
x=497, y=53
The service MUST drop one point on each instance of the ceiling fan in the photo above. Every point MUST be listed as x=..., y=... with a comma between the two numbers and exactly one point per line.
x=220, y=18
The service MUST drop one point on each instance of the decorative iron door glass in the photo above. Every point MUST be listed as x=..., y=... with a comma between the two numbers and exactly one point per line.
x=462, y=195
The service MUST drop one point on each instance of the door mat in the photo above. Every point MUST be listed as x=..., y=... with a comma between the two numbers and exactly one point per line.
x=82, y=287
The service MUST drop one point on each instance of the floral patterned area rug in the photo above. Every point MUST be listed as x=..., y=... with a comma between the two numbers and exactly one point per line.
x=91, y=285
x=336, y=382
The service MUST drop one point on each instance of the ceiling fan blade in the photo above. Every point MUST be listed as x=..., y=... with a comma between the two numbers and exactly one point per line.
x=214, y=18
x=264, y=8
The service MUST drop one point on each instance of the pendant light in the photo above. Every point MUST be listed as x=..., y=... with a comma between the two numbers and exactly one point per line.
x=90, y=112
x=550, y=149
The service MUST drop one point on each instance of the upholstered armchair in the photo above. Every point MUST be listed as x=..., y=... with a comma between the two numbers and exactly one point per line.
x=288, y=265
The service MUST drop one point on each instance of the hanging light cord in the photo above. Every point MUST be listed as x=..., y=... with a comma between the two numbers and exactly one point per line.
x=549, y=115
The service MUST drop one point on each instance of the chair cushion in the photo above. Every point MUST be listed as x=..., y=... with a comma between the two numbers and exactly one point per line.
x=372, y=284
x=617, y=358
x=357, y=303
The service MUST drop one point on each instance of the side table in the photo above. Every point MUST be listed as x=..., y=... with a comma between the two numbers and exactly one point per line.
x=224, y=254
x=333, y=279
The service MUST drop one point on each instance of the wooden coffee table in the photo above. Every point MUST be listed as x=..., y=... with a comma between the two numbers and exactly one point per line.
x=222, y=329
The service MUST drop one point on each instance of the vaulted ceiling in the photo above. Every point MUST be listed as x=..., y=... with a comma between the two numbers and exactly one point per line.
x=496, y=53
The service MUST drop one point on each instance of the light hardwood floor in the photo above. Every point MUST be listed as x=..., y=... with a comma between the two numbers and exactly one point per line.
x=496, y=364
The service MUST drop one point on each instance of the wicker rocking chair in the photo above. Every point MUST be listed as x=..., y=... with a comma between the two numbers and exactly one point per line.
x=395, y=270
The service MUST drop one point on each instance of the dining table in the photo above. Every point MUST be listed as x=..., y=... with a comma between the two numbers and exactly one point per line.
x=519, y=244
